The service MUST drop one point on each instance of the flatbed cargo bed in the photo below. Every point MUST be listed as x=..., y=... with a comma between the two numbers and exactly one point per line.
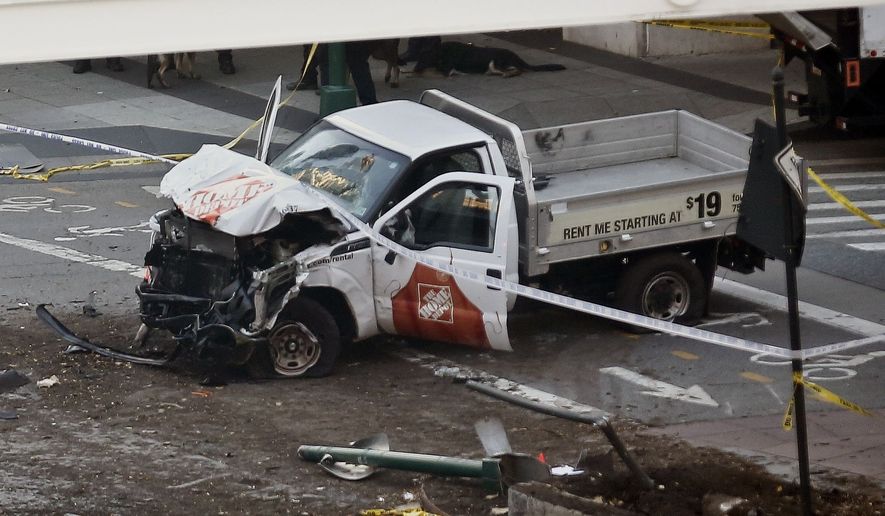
x=616, y=185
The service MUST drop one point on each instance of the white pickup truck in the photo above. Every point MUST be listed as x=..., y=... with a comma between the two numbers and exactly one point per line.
x=255, y=265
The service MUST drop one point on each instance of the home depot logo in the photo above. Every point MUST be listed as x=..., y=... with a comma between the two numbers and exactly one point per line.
x=435, y=303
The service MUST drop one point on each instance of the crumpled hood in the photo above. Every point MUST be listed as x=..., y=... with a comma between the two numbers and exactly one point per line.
x=236, y=194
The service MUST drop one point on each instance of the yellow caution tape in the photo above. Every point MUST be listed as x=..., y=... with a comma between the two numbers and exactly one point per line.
x=711, y=28
x=717, y=23
x=44, y=176
x=825, y=395
x=788, y=416
x=830, y=396
x=844, y=201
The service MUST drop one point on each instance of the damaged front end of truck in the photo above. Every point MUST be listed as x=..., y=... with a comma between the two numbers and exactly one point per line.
x=229, y=259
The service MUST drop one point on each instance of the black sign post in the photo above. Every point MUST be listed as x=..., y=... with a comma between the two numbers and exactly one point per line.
x=773, y=219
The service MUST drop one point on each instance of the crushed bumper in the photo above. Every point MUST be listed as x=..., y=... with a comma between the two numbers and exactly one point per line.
x=66, y=334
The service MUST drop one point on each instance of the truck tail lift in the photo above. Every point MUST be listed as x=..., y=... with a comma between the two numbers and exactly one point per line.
x=844, y=55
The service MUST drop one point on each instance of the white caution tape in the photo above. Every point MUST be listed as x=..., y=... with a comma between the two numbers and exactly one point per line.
x=593, y=308
x=86, y=143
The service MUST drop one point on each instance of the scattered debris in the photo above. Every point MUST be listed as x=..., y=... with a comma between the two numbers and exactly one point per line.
x=716, y=504
x=44, y=315
x=198, y=481
x=398, y=511
x=11, y=380
x=565, y=471
x=89, y=308
x=428, y=504
x=536, y=498
x=597, y=420
x=49, y=382
x=499, y=510
x=346, y=471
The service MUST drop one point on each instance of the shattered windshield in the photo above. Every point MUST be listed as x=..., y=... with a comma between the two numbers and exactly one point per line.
x=354, y=170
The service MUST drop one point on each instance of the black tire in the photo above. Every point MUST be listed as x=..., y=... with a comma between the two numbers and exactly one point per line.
x=304, y=343
x=666, y=286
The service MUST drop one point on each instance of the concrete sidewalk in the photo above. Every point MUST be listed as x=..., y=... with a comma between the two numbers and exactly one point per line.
x=118, y=109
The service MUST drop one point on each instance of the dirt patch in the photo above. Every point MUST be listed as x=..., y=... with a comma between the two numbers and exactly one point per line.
x=117, y=438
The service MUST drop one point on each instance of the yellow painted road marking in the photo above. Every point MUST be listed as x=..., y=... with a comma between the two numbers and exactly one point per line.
x=126, y=204
x=756, y=377
x=59, y=189
x=684, y=355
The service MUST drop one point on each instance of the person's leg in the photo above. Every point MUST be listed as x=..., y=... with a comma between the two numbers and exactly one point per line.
x=356, y=54
x=413, y=45
x=226, y=62
x=82, y=65
x=309, y=82
x=322, y=60
x=114, y=64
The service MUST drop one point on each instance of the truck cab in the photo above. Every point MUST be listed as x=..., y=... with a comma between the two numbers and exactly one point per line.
x=277, y=281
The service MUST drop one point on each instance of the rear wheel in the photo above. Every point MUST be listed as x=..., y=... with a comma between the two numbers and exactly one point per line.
x=665, y=286
x=304, y=342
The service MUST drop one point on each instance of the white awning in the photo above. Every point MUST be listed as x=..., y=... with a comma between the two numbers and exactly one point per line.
x=43, y=30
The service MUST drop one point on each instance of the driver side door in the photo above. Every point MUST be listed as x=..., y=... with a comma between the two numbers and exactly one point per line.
x=458, y=220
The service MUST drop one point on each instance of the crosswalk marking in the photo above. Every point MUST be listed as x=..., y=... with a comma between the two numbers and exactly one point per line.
x=856, y=233
x=852, y=175
x=836, y=206
x=839, y=220
x=849, y=188
x=859, y=235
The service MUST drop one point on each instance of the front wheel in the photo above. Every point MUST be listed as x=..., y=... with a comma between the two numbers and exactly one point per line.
x=665, y=286
x=304, y=342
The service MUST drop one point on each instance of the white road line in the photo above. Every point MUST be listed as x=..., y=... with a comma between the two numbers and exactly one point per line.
x=848, y=188
x=807, y=310
x=840, y=220
x=774, y=393
x=651, y=387
x=857, y=233
x=835, y=205
x=872, y=246
x=153, y=190
x=73, y=255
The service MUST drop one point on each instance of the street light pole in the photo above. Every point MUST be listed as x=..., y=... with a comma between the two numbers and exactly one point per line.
x=336, y=95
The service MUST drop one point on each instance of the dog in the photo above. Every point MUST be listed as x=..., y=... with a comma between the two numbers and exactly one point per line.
x=387, y=50
x=158, y=65
x=452, y=57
